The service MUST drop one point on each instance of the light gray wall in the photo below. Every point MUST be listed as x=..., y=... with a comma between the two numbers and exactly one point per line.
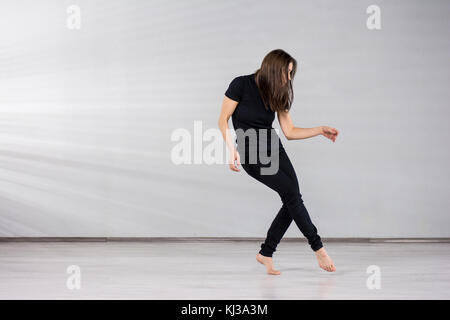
x=86, y=116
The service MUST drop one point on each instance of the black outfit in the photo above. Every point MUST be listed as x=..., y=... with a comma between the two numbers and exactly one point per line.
x=251, y=113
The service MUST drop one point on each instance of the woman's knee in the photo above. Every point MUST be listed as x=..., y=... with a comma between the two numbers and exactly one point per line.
x=292, y=198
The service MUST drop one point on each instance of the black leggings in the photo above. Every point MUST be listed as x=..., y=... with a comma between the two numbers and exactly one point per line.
x=285, y=183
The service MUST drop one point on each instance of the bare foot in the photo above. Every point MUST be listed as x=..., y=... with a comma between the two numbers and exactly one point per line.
x=267, y=261
x=324, y=260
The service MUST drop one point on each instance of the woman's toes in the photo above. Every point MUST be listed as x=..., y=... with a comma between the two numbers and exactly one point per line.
x=273, y=271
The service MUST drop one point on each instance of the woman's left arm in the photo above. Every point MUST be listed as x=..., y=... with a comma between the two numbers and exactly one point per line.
x=294, y=133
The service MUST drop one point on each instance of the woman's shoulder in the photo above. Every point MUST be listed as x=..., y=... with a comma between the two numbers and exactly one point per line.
x=247, y=77
x=238, y=86
x=238, y=78
x=243, y=77
x=242, y=81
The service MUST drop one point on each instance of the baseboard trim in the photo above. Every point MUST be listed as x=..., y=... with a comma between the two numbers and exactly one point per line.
x=214, y=239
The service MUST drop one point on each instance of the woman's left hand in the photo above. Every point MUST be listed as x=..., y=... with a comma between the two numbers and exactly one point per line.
x=330, y=133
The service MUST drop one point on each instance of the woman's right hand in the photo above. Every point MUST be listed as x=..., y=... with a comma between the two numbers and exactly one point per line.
x=235, y=161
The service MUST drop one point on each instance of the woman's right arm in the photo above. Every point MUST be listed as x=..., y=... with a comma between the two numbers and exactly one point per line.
x=228, y=107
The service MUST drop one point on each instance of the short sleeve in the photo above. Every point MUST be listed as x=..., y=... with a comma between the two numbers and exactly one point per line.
x=234, y=90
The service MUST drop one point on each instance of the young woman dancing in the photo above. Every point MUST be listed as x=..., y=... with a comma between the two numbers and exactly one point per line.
x=252, y=101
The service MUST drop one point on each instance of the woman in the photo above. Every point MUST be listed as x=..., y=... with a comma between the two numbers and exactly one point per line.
x=252, y=101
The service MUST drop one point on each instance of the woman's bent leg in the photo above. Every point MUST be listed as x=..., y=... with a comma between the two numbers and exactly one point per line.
x=285, y=183
x=299, y=213
x=292, y=199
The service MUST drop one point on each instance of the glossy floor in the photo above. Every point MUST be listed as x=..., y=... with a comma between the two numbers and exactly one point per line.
x=221, y=270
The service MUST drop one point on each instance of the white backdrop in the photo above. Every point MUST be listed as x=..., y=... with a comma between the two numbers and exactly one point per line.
x=86, y=116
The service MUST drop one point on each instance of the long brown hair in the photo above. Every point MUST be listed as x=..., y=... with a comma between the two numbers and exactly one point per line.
x=271, y=78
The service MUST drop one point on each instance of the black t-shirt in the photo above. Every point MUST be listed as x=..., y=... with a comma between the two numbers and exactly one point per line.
x=250, y=112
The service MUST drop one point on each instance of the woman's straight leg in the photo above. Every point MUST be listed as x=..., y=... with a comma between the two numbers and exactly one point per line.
x=276, y=232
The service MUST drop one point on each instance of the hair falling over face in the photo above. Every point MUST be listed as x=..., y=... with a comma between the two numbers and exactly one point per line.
x=274, y=80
